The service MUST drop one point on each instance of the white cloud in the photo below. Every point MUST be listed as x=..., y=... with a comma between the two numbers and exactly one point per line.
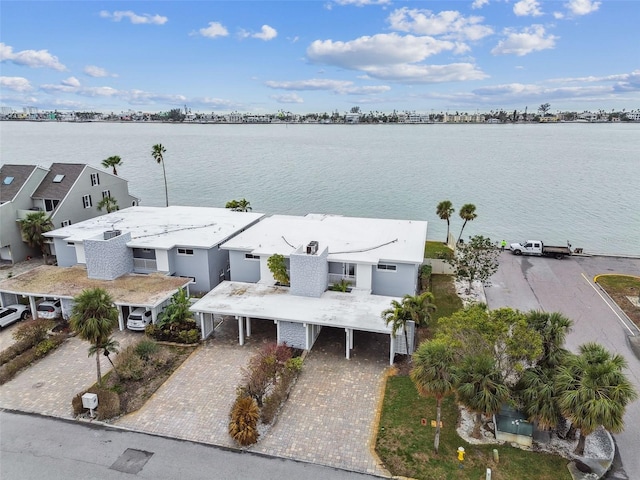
x=525, y=8
x=449, y=23
x=134, y=18
x=343, y=87
x=421, y=74
x=71, y=82
x=17, y=84
x=582, y=7
x=380, y=49
x=479, y=4
x=30, y=58
x=97, y=72
x=530, y=39
x=287, y=98
x=558, y=15
x=266, y=33
x=361, y=3
x=215, y=29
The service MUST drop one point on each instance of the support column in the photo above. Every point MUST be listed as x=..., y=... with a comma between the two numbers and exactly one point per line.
x=240, y=330
x=277, y=332
x=34, y=312
x=248, y=326
x=348, y=342
x=351, y=337
x=307, y=336
x=203, y=335
x=120, y=318
x=392, y=349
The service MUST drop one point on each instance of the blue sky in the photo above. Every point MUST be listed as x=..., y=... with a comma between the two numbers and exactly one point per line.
x=320, y=56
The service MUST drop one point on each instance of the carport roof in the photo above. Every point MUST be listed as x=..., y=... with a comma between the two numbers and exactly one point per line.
x=67, y=282
x=355, y=310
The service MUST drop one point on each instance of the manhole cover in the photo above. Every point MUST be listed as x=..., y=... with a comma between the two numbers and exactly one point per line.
x=38, y=385
x=131, y=461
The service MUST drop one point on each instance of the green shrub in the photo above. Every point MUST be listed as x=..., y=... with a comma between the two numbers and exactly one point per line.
x=11, y=368
x=146, y=348
x=294, y=364
x=44, y=346
x=33, y=331
x=150, y=330
x=189, y=336
x=244, y=421
x=129, y=365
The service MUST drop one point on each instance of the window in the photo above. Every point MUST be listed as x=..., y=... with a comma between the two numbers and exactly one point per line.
x=58, y=178
x=7, y=180
x=106, y=193
x=249, y=256
x=50, y=205
x=95, y=179
x=66, y=223
x=387, y=267
x=71, y=244
x=86, y=201
x=185, y=251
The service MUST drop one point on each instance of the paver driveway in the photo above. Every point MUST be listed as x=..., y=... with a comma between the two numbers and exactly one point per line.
x=329, y=418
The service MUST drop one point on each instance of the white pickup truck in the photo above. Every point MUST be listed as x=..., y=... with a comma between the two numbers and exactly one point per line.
x=536, y=247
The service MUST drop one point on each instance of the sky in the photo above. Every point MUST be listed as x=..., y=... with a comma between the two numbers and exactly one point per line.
x=307, y=56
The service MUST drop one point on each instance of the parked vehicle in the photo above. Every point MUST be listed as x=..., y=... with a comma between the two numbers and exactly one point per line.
x=49, y=309
x=13, y=313
x=138, y=319
x=536, y=247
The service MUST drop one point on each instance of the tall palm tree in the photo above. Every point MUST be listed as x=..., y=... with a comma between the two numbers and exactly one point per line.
x=594, y=391
x=33, y=227
x=110, y=204
x=553, y=328
x=112, y=162
x=110, y=346
x=445, y=210
x=157, y=152
x=434, y=375
x=467, y=213
x=94, y=317
x=481, y=387
x=419, y=307
x=397, y=316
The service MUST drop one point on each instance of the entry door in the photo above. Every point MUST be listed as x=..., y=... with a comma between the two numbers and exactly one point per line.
x=349, y=270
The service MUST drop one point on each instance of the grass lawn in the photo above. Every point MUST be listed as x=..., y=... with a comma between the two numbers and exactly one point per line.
x=436, y=250
x=619, y=287
x=406, y=446
x=445, y=295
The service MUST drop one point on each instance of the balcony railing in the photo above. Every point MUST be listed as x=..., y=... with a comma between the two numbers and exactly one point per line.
x=145, y=264
x=338, y=277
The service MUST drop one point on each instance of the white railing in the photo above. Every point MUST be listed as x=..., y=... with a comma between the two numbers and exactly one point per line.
x=338, y=277
x=145, y=264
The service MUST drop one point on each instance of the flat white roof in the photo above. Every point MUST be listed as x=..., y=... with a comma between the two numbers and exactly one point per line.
x=164, y=227
x=358, y=311
x=349, y=239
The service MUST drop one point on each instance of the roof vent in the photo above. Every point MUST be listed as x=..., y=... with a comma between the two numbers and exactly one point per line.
x=312, y=248
x=109, y=234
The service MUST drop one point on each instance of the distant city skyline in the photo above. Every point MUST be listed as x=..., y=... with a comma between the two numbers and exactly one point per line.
x=320, y=56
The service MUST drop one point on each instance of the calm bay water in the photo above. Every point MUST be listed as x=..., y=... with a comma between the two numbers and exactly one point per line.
x=577, y=182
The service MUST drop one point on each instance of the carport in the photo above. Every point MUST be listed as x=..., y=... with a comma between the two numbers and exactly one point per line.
x=128, y=291
x=298, y=319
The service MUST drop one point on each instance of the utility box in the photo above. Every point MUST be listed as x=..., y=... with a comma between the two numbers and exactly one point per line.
x=90, y=401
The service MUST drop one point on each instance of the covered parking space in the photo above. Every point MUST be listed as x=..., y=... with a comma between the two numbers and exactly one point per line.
x=151, y=291
x=298, y=319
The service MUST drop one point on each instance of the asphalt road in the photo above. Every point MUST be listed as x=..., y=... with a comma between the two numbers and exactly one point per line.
x=36, y=448
x=566, y=286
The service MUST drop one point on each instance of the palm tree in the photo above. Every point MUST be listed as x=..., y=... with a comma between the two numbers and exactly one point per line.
x=242, y=205
x=445, y=210
x=419, y=307
x=467, y=213
x=110, y=204
x=177, y=311
x=434, y=375
x=112, y=162
x=94, y=317
x=538, y=393
x=553, y=327
x=33, y=227
x=594, y=391
x=110, y=346
x=397, y=316
x=481, y=387
x=157, y=152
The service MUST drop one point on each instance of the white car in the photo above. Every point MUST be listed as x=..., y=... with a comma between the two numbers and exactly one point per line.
x=13, y=313
x=138, y=319
x=49, y=309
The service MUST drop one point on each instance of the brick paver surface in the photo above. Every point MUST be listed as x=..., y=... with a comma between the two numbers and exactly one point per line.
x=48, y=386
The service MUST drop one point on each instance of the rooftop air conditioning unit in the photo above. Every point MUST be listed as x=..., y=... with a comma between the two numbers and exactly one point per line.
x=109, y=234
x=312, y=248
